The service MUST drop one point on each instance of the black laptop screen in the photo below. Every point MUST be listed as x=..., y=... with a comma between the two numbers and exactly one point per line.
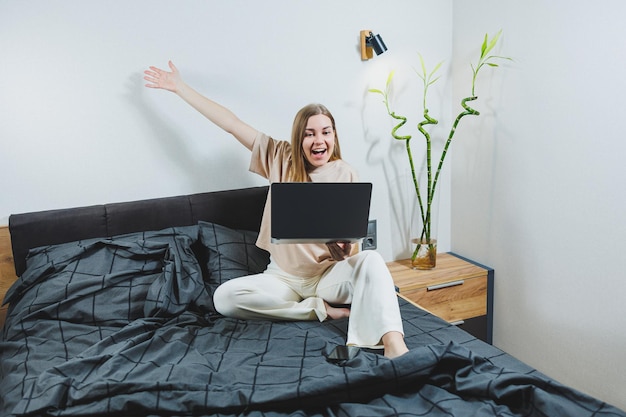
x=319, y=212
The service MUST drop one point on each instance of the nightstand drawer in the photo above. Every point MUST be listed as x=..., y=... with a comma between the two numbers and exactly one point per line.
x=458, y=290
x=453, y=300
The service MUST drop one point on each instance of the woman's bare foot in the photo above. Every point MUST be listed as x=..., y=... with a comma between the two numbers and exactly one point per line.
x=394, y=345
x=336, y=312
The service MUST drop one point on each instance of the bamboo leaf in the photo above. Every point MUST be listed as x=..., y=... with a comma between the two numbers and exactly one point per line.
x=500, y=57
x=433, y=81
x=390, y=77
x=436, y=68
x=423, y=64
x=490, y=46
x=375, y=90
x=483, y=47
x=493, y=42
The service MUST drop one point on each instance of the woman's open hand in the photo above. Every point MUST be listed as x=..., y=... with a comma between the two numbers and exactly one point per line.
x=339, y=250
x=158, y=78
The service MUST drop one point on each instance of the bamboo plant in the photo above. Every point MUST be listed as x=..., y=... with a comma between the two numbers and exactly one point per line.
x=429, y=78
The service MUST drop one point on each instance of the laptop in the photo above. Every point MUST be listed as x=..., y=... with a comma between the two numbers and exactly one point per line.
x=320, y=212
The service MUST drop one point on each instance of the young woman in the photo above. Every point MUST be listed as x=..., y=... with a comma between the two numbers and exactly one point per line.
x=302, y=281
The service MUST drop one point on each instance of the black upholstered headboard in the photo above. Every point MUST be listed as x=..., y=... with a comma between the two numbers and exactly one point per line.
x=237, y=209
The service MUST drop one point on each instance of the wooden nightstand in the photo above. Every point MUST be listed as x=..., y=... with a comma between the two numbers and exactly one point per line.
x=458, y=290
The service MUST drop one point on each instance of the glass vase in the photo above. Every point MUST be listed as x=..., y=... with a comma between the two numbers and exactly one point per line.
x=425, y=254
x=424, y=229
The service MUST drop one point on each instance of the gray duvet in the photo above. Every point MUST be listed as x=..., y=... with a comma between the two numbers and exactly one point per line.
x=126, y=326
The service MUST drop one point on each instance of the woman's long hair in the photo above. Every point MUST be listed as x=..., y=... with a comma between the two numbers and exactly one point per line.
x=299, y=166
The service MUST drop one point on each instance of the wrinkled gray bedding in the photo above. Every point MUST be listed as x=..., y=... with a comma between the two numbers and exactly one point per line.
x=126, y=326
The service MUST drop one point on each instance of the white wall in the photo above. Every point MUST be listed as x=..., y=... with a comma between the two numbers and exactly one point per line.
x=536, y=189
x=77, y=127
x=538, y=184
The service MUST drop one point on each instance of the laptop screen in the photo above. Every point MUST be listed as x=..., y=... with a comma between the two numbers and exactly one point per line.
x=319, y=212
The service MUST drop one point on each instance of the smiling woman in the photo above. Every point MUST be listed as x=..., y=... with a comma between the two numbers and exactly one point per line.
x=304, y=281
x=314, y=140
x=318, y=143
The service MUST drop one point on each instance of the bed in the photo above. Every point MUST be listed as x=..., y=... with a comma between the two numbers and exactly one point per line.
x=112, y=314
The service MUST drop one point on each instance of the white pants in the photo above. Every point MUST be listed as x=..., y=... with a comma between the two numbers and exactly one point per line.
x=362, y=280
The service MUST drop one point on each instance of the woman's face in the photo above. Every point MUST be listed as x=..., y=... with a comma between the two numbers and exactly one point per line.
x=319, y=140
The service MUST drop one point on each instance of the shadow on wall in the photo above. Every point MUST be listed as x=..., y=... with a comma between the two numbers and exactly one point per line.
x=204, y=173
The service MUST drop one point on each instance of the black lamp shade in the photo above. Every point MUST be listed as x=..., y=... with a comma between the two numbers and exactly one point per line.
x=377, y=43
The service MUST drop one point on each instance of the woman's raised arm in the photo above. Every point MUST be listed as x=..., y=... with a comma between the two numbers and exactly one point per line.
x=216, y=113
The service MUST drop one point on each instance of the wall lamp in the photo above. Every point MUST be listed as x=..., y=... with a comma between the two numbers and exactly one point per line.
x=369, y=43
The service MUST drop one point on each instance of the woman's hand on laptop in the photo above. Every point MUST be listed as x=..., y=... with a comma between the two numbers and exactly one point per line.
x=339, y=250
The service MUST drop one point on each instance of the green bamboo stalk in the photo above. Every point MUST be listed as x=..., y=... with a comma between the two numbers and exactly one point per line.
x=483, y=60
x=425, y=234
x=468, y=111
x=426, y=220
x=427, y=78
x=406, y=138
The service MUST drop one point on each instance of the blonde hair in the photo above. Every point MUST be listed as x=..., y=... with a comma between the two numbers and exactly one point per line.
x=299, y=166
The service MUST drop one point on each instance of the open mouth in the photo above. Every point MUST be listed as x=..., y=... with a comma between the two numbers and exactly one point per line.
x=318, y=151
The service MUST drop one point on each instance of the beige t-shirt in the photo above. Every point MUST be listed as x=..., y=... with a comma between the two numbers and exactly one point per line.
x=270, y=159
